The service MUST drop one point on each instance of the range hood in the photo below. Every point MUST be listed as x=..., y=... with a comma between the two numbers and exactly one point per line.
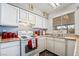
x=24, y=25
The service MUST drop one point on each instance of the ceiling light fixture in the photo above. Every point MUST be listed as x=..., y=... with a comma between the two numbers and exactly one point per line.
x=58, y=4
x=55, y=4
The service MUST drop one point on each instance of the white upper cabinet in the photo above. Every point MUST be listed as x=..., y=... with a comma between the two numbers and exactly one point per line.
x=32, y=18
x=38, y=23
x=23, y=15
x=44, y=23
x=9, y=15
x=41, y=22
x=77, y=22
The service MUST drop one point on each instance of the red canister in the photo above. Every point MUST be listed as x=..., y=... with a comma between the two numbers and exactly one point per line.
x=4, y=35
x=9, y=35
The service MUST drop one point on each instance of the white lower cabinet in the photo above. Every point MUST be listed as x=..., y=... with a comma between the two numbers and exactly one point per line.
x=41, y=44
x=10, y=49
x=56, y=46
x=70, y=47
x=76, y=52
x=50, y=44
x=60, y=47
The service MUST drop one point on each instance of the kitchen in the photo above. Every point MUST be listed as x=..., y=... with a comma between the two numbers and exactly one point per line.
x=39, y=29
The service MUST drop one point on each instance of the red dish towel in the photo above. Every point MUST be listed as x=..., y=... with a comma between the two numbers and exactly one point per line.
x=30, y=44
x=36, y=42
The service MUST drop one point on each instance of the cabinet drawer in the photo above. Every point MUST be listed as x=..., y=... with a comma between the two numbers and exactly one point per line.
x=61, y=40
x=49, y=38
x=71, y=42
x=9, y=44
x=11, y=51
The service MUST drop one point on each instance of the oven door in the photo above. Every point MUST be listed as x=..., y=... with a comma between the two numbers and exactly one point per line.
x=24, y=43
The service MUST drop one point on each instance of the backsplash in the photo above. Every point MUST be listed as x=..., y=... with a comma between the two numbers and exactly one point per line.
x=8, y=29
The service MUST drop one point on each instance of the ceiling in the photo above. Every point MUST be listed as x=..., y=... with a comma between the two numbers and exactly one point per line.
x=44, y=7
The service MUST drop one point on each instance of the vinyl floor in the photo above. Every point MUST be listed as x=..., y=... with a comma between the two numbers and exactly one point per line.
x=47, y=53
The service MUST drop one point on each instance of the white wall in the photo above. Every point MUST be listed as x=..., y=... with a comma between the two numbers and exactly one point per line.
x=62, y=11
x=57, y=13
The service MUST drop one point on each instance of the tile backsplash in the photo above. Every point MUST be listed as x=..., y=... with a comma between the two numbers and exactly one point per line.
x=8, y=29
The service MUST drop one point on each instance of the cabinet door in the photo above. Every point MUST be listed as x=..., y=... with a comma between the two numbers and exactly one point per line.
x=38, y=22
x=10, y=48
x=41, y=44
x=11, y=51
x=23, y=15
x=32, y=18
x=50, y=44
x=41, y=22
x=9, y=15
x=76, y=52
x=70, y=47
x=77, y=22
x=60, y=47
x=44, y=23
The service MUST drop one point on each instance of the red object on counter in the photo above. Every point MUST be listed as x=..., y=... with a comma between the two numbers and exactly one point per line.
x=4, y=35
x=9, y=35
x=30, y=44
x=14, y=35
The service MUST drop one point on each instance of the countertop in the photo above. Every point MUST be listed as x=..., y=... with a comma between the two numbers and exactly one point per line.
x=71, y=37
x=74, y=37
x=9, y=40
